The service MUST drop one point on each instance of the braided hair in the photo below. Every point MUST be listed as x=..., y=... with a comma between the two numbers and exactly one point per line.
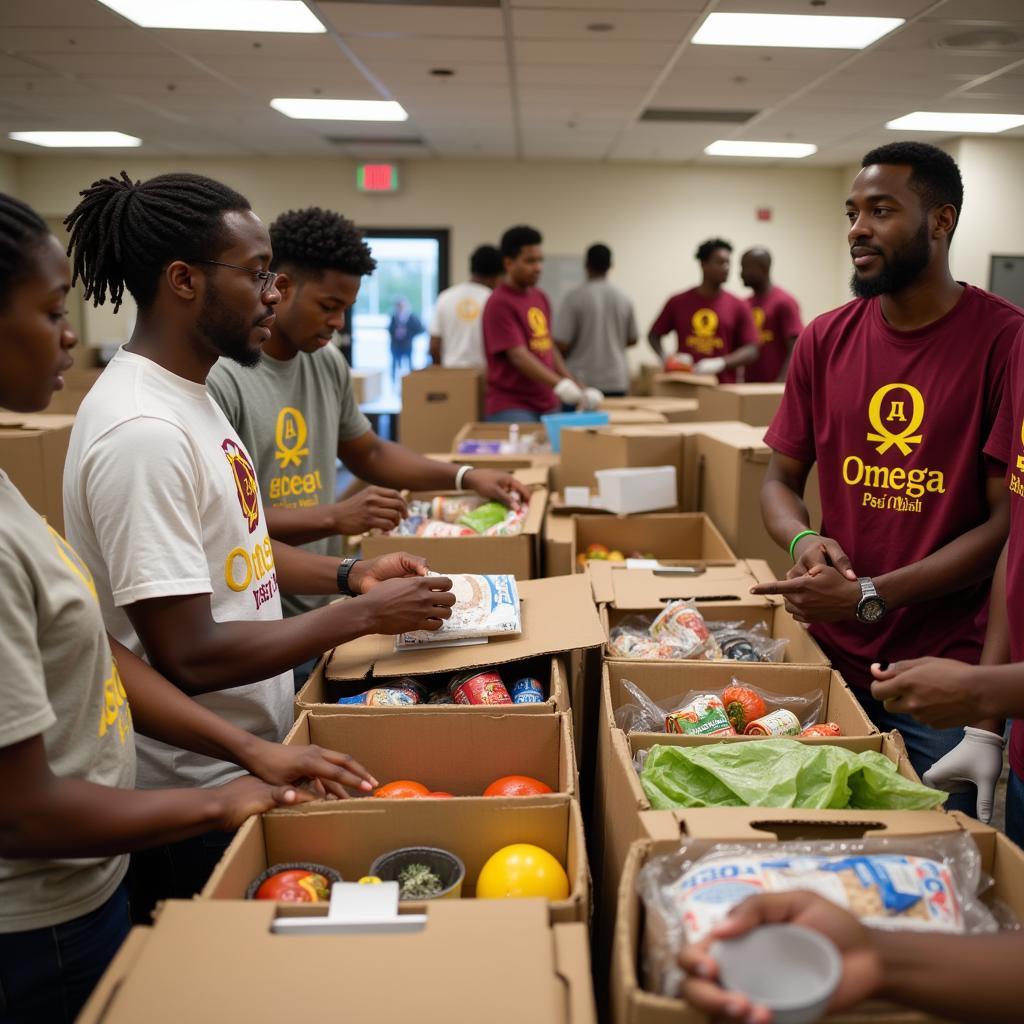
x=124, y=233
x=21, y=231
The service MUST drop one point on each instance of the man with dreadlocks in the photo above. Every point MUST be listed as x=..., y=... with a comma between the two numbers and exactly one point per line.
x=162, y=501
x=296, y=411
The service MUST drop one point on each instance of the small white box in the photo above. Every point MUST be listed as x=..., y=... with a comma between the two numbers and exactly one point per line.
x=643, y=489
x=577, y=496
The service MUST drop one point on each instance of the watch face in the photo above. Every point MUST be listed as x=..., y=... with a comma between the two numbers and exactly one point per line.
x=871, y=609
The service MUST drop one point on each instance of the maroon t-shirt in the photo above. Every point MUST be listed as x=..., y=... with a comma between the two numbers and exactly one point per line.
x=708, y=327
x=777, y=318
x=897, y=422
x=512, y=318
x=1007, y=445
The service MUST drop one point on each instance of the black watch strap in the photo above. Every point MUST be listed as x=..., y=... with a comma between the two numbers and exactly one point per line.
x=344, y=568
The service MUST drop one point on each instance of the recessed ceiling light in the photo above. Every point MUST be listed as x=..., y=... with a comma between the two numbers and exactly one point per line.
x=220, y=15
x=933, y=121
x=601, y=26
x=341, y=110
x=76, y=140
x=819, y=31
x=787, y=150
x=442, y=72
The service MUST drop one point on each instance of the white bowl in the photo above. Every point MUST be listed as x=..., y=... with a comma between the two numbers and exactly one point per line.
x=789, y=969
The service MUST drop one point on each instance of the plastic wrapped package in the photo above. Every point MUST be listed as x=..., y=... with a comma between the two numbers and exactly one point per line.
x=468, y=516
x=755, y=644
x=919, y=883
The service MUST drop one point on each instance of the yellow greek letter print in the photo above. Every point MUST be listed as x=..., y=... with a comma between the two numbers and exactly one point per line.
x=290, y=435
x=1020, y=458
x=887, y=436
x=70, y=558
x=705, y=323
x=115, y=705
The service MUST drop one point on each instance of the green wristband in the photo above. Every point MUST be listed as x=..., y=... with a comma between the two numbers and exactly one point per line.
x=800, y=536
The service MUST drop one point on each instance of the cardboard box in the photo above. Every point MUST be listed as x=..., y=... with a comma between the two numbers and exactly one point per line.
x=436, y=402
x=33, y=447
x=457, y=754
x=348, y=835
x=214, y=961
x=680, y=384
x=531, y=434
x=675, y=410
x=1001, y=859
x=748, y=403
x=366, y=385
x=674, y=538
x=637, y=489
x=558, y=616
x=518, y=555
x=586, y=449
x=732, y=459
x=634, y=417
x=77, y=382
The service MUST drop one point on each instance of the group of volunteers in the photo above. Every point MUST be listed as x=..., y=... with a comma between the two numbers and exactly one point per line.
x=147, y=675
x=500, y=322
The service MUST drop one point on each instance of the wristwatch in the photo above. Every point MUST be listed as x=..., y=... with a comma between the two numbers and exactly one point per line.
x=871, y=606
x=344, y=568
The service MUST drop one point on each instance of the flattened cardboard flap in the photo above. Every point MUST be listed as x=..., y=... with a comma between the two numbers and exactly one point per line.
x=558, y=615
x=648, y=588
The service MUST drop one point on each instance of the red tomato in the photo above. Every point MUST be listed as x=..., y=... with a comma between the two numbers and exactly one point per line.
x=402, y=789
x=295, y=886
x=517, y=785
x=822, y=729
x=743, y=706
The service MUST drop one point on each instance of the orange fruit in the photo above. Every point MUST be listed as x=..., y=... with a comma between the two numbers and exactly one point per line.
x=402, y=789
x=441, y=793
x=521, y=871
x=517, y=785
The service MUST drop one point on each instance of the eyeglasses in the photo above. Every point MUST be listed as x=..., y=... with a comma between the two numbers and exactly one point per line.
x=265, y=277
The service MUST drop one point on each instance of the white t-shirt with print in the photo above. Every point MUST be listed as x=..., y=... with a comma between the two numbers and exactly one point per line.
x=160, y=499
x=456, y=321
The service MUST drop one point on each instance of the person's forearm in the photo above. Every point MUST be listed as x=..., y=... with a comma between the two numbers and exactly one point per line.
x=790, y=343
x=301, y=525
x=654, y=340
x=560, y=365
x=303, y=572
x=741, y=357
x=390, y=465
x=435, y=349
x=784, y=512
x=997, y=643
x=530, y=366
x=957, y=977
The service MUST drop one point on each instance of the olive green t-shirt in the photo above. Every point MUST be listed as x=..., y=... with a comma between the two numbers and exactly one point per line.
x=58, y=680
x=291, y=415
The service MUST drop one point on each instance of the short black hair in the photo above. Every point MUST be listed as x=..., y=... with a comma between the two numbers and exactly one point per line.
x=314, y=240
x=705, y=249
x=516, y=239
x=486, y=262
x=934, y=176
x=599, y=258
x=21, y=232
x=124, y=232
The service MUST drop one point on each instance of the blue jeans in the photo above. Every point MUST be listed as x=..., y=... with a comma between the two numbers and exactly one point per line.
x=513, y=416
x=924, y=744
x=47, y=974
x=1015, y=808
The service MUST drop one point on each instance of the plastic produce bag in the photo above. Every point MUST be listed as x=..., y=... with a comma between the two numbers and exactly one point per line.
x=779, y=773
x=919, y=883
x=484, y=516
x=738, y=644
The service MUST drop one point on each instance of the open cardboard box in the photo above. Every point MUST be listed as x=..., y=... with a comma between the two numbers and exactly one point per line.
x=211, y=962
x=675, y=410
x=681, y=384
x=558, y=616
x=586, y=449
x=506, y=463
x=673, y=538
x=519, y=555
x=1001, y=859
x=33, y=447
x=349, y=835
x=436, y=402
x=749, y=403
x=457, y=754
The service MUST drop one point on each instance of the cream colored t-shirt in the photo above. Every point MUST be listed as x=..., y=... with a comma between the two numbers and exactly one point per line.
x=57, y=680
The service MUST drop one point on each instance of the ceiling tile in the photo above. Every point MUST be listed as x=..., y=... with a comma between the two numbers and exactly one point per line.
x=412, y=20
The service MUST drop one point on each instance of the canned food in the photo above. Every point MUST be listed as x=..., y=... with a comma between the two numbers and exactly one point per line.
x=440, y=697
x=781, y=722
x=384, y=696
x=479, y=688
x=527, y=691
x=703, y=716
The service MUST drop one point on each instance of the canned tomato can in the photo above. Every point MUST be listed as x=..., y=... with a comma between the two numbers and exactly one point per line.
x=781, y=722
x=384, y=697
x=527, y=691
x=479, y=688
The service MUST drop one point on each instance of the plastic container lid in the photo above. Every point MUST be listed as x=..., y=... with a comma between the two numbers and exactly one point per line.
x=554, y=422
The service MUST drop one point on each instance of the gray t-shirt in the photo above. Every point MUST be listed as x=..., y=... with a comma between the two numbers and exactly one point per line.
x=291, y=416
x=597, y=320
x=57, y=680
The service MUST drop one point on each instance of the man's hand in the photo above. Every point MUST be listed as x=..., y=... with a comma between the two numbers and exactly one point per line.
x=592, y=399
x=862, y=965
x=569, y=392
x=940, y=692
x=813, y=550
x=327, y=770
x=977, y=760
x=496, y=485
x=401, y=605
x=369, y=572
x=821, y=595
x=711, y=366
x=373, y=508
x=244, y=797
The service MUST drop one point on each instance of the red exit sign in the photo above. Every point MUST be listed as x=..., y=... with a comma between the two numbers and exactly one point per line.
x=377, y=177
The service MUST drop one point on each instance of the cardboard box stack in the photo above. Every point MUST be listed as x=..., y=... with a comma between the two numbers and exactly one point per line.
x=436, y=402
x=33, y=447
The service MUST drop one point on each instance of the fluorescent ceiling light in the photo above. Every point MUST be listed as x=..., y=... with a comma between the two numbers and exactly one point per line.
x=788, y=150
x=341, y=110
x=220, y=15
x=933, y=121
x=76, y=140
x=819, y=31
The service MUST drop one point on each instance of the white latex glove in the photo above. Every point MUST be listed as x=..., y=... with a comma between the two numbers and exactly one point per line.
x=568, y=391
x=712, y=367
x=592, y=398
x=977, y=759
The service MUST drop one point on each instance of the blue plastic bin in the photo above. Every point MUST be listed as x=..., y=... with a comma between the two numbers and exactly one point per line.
x=555, y=421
